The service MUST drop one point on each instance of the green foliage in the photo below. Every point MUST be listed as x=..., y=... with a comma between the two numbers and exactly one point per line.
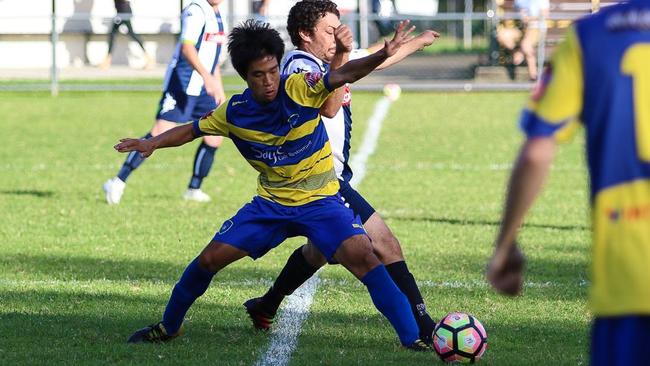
x=79, y=276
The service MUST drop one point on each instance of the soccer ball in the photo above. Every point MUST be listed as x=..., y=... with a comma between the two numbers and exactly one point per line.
x=460, y=337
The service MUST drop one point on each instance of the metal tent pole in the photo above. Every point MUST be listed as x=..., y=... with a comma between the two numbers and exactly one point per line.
x=54, y=38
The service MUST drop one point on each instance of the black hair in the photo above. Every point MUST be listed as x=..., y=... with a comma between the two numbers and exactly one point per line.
x=251, y=41
x=305, y=14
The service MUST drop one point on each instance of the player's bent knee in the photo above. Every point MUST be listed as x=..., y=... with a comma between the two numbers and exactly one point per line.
x=216, y=255
x=357, y=255
x=313, y=256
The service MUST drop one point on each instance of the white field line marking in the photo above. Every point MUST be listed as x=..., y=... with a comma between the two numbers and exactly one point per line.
x=284, y=336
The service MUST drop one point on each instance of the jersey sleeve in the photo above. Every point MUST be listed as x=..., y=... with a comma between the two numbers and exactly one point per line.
x=213, y=123
x=192, y=24
x=556, y=102
x=297, y=65
x=309, y=89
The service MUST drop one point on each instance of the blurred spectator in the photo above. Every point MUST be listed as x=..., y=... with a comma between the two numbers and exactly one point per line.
x=531, y=11
x=123, y=17
x=520, y=38
x=260, y=9
x=384, y=9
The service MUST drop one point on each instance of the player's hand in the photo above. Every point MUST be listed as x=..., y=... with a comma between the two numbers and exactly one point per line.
x=211, y=84
x=427, y=37
x=505, y=271
x=220, y=96
x=402, y=35
x=343, y=37
x=143, y=146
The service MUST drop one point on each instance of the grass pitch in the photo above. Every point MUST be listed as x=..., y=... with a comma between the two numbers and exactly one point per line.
x=77, y=276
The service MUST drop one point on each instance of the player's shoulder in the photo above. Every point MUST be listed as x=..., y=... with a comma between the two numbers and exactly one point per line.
x=296, y=61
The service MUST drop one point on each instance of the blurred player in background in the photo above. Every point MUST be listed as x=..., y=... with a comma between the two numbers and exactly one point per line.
x=324, y=44
x=123, y=17
x=600, y=76
x=276, y=126
x=192, y=88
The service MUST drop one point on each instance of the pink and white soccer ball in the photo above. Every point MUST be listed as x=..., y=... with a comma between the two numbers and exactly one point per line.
x=460, y=337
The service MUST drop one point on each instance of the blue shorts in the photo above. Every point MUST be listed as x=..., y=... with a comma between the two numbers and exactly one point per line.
x=355, y=201
x=261, y=225
x=620, y=341
x=176, y=106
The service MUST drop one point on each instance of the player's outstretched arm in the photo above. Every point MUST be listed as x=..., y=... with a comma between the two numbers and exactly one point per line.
x=357, y=69
x=175, y=137
x=424, y=39
x=505, y=269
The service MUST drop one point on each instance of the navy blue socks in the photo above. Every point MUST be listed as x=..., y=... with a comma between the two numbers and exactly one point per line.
x=193, y=283
x=203, y=160
x=132, y=162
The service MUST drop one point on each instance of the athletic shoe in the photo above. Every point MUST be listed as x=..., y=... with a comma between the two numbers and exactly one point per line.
x=196, y=194
x=427, y=336
x=419, y=346
x=262, y=319
x=155, y=333
x=114, y=189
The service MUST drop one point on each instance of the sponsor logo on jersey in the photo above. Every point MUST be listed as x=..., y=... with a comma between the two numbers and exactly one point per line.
x=226, y=226
x=347, y=96
x=218, y=38
x=628, y=213
x=312, y=78
x=168, y=104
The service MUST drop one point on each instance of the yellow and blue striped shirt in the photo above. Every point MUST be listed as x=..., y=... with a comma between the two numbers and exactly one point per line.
x=284, y=140
x=600, y=76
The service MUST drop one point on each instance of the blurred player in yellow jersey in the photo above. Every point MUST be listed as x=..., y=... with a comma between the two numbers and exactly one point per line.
x=600, y=76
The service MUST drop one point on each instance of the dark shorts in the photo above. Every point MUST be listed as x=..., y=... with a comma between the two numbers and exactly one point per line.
x=261, y=225
x=176, y=106
x=355, y=201
x=620, y=341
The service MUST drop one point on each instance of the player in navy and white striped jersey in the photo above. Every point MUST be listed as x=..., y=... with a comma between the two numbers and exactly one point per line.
x=323, y=43
x=192, y=88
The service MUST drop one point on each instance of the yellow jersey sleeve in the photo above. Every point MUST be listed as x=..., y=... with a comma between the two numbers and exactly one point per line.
x=309, y=89
x=556, y=102
x=213, y=123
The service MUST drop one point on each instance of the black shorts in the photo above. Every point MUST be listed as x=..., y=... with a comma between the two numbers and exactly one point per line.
x=355, y=201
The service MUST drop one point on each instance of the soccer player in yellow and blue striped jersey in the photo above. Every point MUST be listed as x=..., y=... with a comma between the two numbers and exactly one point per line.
x=276, y=126
x=599, y=76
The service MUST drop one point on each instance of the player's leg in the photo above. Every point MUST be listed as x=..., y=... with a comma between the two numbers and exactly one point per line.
x=338, y=233
x=204, y=156
x=301, y=266
x=243, y=234
x=389, y=251
x=528, y=47
x=193, y=283
x=114, y=187
x=111, y=41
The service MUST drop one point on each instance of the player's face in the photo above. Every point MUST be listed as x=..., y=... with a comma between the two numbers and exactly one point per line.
x=263, y=78
x=320, y=41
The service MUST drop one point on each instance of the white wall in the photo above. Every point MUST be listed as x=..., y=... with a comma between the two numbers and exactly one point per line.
x=25, y=26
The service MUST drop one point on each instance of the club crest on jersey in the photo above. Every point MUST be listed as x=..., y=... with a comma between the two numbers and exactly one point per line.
x=312, y=78
x=542, y=84
x=347, y=96
x=218, y=38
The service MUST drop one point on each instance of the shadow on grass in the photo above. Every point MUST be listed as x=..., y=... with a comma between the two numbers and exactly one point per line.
x=444, y=220
x=28, y=192
x=124, y=269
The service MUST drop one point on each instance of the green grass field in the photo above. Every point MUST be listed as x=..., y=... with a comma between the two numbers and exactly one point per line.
x=77, y=276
